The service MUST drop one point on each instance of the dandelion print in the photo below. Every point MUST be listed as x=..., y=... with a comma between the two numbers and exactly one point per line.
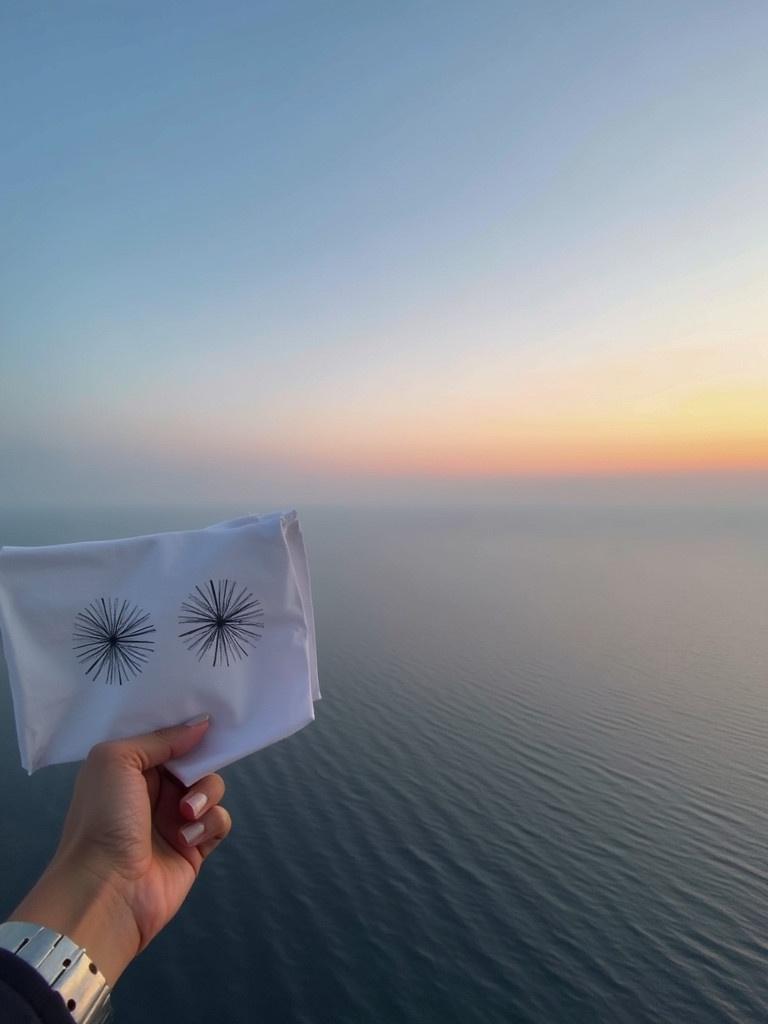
x=224, y=625
x=113, y=638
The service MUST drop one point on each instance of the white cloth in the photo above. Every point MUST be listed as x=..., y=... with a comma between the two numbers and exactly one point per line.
x=107, y=639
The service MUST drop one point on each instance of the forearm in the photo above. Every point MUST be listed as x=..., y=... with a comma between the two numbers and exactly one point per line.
x=87, y=909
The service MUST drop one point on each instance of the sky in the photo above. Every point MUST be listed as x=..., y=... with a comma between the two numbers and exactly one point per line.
x=291, y=252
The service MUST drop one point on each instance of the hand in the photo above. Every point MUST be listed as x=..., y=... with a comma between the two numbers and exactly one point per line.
x=133, y=843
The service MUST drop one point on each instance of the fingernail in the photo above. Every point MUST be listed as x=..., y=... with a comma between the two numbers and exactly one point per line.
x=198, y=720
x=196, y=801
x=192, y=832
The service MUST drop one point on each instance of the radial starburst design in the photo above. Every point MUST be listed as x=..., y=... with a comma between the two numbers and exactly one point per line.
x=113, y=637
x=224, y=625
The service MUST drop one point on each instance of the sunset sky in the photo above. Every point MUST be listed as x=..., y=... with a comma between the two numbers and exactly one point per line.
x=300, y=251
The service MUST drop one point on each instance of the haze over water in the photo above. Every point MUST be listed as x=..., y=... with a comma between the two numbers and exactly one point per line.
x=535, y=789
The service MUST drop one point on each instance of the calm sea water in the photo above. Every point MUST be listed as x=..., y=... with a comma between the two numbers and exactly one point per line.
x=537, y=788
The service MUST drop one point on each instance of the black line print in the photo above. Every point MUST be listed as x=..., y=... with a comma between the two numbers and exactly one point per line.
x=113, y=637
x=223, y=625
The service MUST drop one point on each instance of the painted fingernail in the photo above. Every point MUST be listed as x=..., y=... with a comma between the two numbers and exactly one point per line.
x=192, y=832
x=198, y=719
x=196, y=801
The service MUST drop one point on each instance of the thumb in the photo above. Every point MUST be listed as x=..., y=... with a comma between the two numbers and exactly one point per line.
x=155, y=748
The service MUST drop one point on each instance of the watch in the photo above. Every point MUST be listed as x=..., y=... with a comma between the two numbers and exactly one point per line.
x=65, y=966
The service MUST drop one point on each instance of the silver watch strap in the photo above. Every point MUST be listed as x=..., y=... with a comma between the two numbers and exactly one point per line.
x=64, y=965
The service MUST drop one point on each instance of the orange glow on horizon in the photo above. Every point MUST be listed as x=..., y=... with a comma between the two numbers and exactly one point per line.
x=663, y=410
x=479, y=454
x=580, y=457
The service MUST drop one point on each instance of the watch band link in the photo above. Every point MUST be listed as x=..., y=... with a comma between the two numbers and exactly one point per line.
x=65, y=966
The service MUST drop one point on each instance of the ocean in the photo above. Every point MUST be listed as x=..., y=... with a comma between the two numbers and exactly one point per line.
x=536, y=789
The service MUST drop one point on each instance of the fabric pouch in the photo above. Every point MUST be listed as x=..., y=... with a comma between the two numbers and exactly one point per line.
x=107, y=639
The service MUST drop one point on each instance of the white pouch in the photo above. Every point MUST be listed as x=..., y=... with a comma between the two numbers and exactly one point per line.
x=108, y=639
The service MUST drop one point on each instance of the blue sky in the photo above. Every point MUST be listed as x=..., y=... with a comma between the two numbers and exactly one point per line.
x=275, y=248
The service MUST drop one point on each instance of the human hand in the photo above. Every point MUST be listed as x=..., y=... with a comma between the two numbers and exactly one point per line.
x=132, y=845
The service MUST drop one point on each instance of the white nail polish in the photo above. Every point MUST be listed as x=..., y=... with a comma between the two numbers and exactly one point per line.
x=197, y=802
x=192, y=832
x=198, y=719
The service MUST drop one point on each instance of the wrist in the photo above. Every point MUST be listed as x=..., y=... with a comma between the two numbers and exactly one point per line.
x=87, y=909
x=64, y=966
